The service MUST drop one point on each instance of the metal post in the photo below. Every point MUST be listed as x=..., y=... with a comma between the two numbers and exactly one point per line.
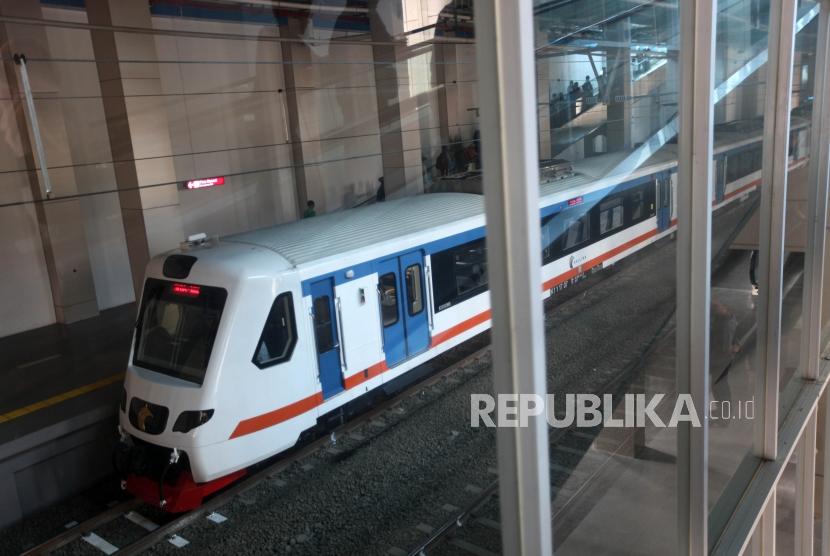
x=766, y=527
x=772, y=216
x=817, y=182
x=20, y=60
x=507, y=92
x=805, y=487
x=825, y=494
x=694, y=244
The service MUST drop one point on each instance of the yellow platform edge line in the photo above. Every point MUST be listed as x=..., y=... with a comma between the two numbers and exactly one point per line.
x=62, y=397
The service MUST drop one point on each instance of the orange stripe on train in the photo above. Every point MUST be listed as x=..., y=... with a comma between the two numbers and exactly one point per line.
x=295, y=409
x=277, y=416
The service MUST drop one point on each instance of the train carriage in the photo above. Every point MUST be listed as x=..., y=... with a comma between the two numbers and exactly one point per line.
x=242, y=344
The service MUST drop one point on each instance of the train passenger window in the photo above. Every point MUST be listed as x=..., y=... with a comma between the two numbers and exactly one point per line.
x=279, y=336
x=641, y=202
x=459, y=273
x=610, y=215
x=414, y=289
x=323, y=329
x=470, y=269
x=577, y=232
x=388, y=298
x=757, y=158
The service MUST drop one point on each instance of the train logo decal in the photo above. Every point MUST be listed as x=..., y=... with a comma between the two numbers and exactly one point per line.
x=143, y=415
x=577, y=260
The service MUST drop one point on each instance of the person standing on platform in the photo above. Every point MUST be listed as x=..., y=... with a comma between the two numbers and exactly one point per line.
x=442, y=163
x=753, y=262
x=471, y=156
x=587, y=88
x=309, y=210
x=380, y=196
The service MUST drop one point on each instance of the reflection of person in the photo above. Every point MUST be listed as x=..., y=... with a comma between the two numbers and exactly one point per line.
x=442, y=163
x=380, y=196
x=471, y=155
x=309, y=210
x=753, y=263
x=723, y=348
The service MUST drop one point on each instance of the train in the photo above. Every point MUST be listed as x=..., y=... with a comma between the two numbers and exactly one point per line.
x=247, y=343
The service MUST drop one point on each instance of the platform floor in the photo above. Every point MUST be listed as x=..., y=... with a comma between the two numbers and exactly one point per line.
x=52, y=373
x=645, y=468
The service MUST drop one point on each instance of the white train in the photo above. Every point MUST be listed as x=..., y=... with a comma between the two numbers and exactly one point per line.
x=243, y=344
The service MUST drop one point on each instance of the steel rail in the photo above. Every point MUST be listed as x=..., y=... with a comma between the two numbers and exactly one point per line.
x=167, y=530
x=83, y=528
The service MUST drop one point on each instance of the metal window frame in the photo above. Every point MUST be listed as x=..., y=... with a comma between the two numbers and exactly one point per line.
x=505, y=65
x=805, y=487
x=772, y=216
x=694, y=245
x=506, y=71
x=817, y=186
x=825, y=495
x=751, y=517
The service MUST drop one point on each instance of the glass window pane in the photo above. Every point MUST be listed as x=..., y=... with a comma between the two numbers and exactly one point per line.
x=738, y=137
x=177, y=326
x=795, y=238
x=323, y=326
x=414, y=296
x=607, y=81
x=389, y=298
x=279, y=334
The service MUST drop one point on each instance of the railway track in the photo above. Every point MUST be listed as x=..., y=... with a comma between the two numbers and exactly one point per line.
x=478, y=519
x=158, y=533
x=478, y=513
x=474, y=526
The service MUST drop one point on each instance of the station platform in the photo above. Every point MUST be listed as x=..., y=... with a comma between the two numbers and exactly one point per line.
x=61, y=385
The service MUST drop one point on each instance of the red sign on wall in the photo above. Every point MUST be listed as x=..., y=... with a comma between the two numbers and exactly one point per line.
x=201, y=183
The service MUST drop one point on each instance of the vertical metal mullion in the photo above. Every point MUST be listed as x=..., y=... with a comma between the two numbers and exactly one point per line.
x=772, y=216
x=766, y=527
x=817, y=182
x=825, y=494
x=694, y=226
x=805, y=487
x=755, y=545
x=507, y=93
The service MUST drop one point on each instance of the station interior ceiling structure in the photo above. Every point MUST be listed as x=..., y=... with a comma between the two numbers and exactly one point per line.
x=130, y=127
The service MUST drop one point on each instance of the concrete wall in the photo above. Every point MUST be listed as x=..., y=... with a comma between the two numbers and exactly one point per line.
x=211, y=105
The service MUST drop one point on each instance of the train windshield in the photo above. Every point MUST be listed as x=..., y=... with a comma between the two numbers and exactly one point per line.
x=176, y=328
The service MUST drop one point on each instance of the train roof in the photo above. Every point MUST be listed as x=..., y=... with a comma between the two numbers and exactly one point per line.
x=313, y=239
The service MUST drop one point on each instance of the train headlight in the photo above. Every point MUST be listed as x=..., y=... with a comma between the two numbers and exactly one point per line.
x=189, y=420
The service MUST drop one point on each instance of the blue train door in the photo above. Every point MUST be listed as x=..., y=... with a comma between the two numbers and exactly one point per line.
x=663, y=200
x=326, y=337
x=402, y=307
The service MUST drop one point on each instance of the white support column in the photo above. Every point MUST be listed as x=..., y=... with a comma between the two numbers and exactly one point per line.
x=772, y=216
x=805, y=488
x=694, y=235
x=817, y=182
x=507, y=93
